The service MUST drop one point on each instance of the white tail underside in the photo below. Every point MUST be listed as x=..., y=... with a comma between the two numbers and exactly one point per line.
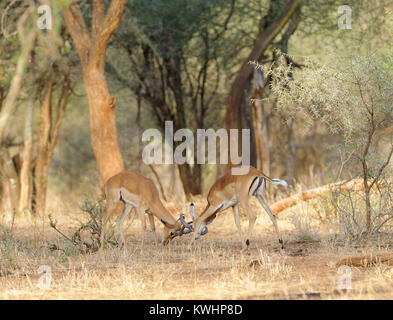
x=280, y=181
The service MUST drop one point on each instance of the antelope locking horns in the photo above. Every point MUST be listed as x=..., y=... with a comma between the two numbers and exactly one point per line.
x=186, y=227
x=184, y=223
x=193, y=216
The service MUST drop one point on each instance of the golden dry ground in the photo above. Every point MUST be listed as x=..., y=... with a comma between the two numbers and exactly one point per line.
x=215, y=268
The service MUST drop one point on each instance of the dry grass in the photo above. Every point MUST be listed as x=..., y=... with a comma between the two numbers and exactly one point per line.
x=214, y=269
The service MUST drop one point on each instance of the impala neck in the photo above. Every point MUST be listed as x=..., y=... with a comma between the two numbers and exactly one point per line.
x=161, y=212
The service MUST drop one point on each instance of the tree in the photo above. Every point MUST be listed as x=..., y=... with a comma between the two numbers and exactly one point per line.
x=279, y=13
x=353, y=97
x=174, y=50
x=25, y=170
x=91, y=48
x=11, y=183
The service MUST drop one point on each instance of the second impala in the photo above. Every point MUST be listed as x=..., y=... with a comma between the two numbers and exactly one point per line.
x=232, y=191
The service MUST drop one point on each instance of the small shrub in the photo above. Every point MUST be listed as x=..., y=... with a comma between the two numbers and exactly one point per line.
x=90, y=229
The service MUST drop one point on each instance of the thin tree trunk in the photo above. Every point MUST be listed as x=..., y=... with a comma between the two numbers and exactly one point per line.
x=25, y=173
x=190, y=185
x=43, y=136
x=259, y=123
x=367, y=196
x=47, y=137
x=10, y=179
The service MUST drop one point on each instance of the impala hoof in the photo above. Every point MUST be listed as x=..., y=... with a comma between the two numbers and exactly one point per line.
x=282, y=243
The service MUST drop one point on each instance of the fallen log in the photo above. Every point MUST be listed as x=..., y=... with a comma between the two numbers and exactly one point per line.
x=355, y=184
x=367, y=261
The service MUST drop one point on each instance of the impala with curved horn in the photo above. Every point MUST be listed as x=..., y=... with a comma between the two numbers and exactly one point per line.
x=139, y=192
x=230, y=191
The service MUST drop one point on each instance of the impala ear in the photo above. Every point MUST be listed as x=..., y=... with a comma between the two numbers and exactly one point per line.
x=168, y=225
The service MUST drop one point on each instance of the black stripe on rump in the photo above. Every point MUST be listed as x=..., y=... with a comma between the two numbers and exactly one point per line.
x=249, y=189
x=258, y=186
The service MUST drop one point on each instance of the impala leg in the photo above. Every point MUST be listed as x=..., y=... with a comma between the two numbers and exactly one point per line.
x=141, y=215
x=126, y=210
x=109, y=208
x=263, y=202
x=237, y=222
x=153, y=228
x=251, y=222
x=132, y=217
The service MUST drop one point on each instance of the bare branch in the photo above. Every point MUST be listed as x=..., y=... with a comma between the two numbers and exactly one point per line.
x=76, y=25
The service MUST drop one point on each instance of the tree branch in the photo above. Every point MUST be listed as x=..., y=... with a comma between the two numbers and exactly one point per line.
x=76, y=26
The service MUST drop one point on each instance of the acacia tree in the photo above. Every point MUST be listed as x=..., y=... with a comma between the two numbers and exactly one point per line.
x=282, y=19
x=174, y=57
x=278, y=15
x=91, y=47
x=353, y=97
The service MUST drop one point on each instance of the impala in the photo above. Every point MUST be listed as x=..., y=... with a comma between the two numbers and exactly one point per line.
x=139, y=192
x=234, y=191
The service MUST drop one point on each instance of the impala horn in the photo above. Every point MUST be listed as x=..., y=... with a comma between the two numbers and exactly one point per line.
x=184, y=223
x=193, y=216
x=192, y=212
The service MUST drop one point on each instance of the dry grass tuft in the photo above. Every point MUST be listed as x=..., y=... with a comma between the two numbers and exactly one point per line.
x=215, y=268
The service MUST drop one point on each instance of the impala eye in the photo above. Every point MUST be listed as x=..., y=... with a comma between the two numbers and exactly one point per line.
x=171, y=234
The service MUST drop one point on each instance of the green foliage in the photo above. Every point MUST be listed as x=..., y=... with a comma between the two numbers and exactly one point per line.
x=346, y=95
x=353, y=97
x=171, y=24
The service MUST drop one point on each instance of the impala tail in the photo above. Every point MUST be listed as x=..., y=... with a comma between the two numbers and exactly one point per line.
x=258, y=183
x=279, y=181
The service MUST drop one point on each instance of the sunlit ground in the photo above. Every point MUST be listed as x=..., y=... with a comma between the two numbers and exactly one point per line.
x=215, y=268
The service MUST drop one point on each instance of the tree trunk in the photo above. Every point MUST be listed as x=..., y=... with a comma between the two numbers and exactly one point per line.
x=47, y=134
x=259, y=123
x=191, y=182
x=91, y=48
x=11, y=186
x=43, y=136
x=103, y=131
x=25, y=173
x=264, y=38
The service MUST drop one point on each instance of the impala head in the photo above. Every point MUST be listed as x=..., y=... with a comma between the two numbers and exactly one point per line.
x=189, y=227
x=177, y=229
